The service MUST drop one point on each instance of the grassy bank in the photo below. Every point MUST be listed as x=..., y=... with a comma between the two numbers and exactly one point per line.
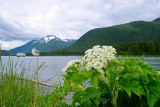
x=16, y=90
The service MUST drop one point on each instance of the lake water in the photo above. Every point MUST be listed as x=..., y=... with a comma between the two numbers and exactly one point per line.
x=53, y=65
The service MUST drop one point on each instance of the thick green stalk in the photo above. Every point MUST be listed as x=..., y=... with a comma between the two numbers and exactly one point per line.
x=111, y=95
x=93, y=102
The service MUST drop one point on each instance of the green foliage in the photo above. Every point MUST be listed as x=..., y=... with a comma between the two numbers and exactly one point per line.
x=91, y=94
x=56, y=98
x=135, y=77
x=123, y=83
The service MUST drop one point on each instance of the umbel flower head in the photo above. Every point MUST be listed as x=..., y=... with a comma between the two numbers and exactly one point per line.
x=71, y=63
x=98, y=57
x=35, y=52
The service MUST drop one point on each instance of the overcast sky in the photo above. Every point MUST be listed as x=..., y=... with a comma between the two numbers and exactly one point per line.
x=25, y=20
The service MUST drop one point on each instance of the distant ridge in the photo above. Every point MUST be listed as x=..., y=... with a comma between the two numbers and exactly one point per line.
x=48, y=43
x=156, y=20
x=137, y=31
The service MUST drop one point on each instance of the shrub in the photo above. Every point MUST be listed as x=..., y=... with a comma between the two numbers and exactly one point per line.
x=111, y=82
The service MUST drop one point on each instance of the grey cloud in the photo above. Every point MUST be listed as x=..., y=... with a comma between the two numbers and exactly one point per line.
x=5, y=25
x=71, y=18
x=8, y=32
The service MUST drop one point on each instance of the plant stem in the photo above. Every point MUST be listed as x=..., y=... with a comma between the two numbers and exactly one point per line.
x=111, y=95
x=1, y=101
x=36, y=83
x=93, y=102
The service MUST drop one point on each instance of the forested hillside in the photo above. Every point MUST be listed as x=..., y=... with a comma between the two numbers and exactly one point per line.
x=135, y=48
x=141, y=48
x=138, y=31
x=133, y=32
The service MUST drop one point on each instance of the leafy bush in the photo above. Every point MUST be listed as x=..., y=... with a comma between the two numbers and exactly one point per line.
x=101, y=80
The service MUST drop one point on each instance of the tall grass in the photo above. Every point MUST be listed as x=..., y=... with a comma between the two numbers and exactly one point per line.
x=16, y=90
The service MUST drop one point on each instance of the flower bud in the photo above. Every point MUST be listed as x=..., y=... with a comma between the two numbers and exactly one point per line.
x=77, y=88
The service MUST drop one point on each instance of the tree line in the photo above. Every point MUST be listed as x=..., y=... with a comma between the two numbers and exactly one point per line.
x=135, y=48
x=139, y=48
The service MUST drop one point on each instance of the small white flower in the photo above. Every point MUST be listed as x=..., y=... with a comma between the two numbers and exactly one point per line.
x=35, y=52
x=71, y=63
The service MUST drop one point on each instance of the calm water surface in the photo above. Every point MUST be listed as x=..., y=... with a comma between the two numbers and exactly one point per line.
x=53, y=65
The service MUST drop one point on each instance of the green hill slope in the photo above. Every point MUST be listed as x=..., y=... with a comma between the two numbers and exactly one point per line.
x=138, y=31
x=131, y=32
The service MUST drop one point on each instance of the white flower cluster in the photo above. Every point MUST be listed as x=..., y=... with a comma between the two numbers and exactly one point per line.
x=98, y=57
x=95, y=58
x=71, y=63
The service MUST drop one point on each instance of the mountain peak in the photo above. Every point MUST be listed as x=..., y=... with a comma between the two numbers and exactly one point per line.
x=49, y=38
x=47, y=43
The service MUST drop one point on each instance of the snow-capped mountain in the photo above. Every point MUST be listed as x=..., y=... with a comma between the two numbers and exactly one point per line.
x=48, y=43
x=49, y=38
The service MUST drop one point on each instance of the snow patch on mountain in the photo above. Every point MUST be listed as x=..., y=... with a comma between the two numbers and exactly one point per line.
x=49, y=38
x=35, y=42
x=65, y=40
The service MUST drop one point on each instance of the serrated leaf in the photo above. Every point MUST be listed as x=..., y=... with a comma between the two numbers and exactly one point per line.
x=86, y=73
x=90, y=93
x=153, y=90
x=131, y=85
x=78, y=79
x=112, y=63
x=93, y=80
x=153, y=96
x=128, y=91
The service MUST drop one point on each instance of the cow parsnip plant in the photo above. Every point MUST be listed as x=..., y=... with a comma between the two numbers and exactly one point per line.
x=111, y=82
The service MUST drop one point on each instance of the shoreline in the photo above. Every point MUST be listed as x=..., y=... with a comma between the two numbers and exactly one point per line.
x=116, y=55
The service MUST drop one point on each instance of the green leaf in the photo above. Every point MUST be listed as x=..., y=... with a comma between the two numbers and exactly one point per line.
x=94, y=82
x=90, y=93
x=86, y=73
x=131, y=85
x=142, y=58
x=94, y=79
x=78, y=79
x=153, y=90
x=111, y=64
